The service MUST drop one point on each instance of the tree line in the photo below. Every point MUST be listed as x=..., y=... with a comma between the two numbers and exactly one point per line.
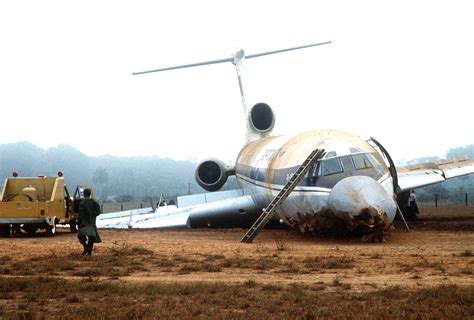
x=114, y=178
x=138, y=178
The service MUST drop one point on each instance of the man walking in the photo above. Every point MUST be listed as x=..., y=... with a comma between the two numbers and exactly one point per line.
x=87, y=232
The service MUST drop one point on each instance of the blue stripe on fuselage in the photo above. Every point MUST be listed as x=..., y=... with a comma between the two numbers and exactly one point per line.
x=279, y=177
x=278, y=187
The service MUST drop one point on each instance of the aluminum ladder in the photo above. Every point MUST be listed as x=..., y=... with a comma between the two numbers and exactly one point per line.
x=270, y=210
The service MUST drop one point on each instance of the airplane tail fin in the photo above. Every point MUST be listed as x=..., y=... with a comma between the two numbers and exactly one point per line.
x=260, y=118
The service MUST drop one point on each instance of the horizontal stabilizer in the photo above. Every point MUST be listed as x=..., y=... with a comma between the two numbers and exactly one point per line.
x=238, y=55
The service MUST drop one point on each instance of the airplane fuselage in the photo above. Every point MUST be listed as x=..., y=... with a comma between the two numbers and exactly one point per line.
x=351, y=183
x=265, y=165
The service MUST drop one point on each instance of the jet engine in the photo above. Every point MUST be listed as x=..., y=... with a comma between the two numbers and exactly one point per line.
x=212, y=174
x=262, y=117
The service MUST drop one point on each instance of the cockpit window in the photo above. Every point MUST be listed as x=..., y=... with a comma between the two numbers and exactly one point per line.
x=361, y=161
x=331, y=166
x=381, y=169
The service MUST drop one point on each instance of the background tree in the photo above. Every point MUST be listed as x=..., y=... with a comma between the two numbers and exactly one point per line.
x=100, y=178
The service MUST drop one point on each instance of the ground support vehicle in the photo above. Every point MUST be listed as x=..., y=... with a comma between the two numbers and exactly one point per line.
x=29, y=204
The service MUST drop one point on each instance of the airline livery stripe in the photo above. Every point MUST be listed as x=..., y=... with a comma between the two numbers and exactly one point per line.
x=277, y=187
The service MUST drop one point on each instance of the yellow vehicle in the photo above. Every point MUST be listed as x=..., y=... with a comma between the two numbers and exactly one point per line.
x=30, y=204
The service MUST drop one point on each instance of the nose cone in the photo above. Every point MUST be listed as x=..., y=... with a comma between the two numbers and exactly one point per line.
x=354, y=195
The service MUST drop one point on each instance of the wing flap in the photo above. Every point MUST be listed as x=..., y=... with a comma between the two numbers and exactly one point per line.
x=456, y=168
x=195, y=199
x=121, y=219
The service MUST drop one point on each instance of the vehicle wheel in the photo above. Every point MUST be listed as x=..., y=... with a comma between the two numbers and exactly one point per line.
x=51, y=230
x=73, y=225
x=4, y=230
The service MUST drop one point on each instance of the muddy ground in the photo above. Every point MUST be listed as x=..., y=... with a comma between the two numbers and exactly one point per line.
x=438, y=253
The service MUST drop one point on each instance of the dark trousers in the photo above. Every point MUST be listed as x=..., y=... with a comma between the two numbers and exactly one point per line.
x=88, y=243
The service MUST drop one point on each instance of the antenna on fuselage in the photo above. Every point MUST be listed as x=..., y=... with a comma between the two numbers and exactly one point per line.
x=237, y=59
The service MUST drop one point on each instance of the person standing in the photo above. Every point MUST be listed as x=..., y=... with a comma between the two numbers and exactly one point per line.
x=87, y=232
x=412, y=205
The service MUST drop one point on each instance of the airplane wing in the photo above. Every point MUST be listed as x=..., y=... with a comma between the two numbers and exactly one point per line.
x=424, y=174
x=121, y=219
x=207, y=210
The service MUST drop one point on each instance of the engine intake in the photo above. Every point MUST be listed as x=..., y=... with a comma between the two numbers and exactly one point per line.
x=212, y=174
x=262, y=117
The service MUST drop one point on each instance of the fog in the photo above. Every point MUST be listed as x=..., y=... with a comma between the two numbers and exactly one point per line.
x=140, y=178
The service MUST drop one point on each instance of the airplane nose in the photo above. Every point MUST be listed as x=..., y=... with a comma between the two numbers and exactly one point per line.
x=354, y=195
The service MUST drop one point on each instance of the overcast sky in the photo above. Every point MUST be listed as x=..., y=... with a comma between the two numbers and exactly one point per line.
x=400, y=71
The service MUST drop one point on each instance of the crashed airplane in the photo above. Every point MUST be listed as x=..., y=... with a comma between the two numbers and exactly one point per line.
x=352, y=185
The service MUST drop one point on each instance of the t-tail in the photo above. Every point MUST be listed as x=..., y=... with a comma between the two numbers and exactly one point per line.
x=260, y=118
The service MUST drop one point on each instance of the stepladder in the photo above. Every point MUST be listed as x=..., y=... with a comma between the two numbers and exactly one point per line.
x=271, y=209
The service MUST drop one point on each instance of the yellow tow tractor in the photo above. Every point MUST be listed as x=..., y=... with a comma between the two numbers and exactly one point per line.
x=28, y=204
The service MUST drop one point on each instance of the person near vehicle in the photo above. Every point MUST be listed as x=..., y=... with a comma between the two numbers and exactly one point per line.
x=87, y=232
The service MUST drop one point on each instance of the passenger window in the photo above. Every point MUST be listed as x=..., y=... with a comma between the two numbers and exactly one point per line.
x=331, y=166
x=361, y=161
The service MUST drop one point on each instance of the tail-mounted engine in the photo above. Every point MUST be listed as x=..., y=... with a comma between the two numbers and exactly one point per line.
x=262, y=118
x=212, y=174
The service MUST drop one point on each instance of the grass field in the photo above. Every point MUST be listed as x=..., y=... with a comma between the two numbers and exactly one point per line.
x=202, y=274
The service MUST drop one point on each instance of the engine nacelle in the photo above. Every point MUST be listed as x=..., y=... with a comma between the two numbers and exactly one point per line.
x=212, y=174
x=262, y=117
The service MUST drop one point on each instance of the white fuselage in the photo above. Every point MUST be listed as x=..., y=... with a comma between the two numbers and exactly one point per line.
x=264, y=166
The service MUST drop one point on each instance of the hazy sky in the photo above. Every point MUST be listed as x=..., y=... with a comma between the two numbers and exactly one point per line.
x=400, y=71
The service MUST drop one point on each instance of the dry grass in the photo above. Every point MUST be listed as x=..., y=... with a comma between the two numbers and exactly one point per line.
x=144, y=274
x=331, y=262
x=92, y=299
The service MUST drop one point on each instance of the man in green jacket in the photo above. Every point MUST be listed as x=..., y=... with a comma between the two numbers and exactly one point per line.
x=87, y=232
